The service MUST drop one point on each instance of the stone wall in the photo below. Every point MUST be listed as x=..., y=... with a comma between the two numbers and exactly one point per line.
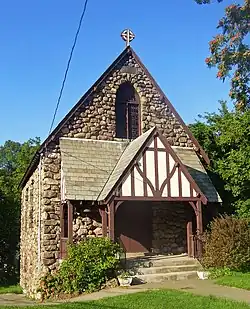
x=51, y=204
x=34, y=265
x=169, y=227
x=29, y=261
x=96, y=118
x=86, y=225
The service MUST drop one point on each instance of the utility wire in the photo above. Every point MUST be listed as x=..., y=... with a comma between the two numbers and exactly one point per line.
x=68, y=64
x=97, y=167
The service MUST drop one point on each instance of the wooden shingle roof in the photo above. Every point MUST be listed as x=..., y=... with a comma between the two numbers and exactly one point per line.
x=87, y=165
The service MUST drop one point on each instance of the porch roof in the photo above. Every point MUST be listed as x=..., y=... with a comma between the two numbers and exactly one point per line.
x=92, y=168
x=87, y=165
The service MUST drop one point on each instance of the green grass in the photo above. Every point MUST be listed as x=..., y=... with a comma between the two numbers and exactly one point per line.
x=236, y=279
x=156, y=299
x=14, y=289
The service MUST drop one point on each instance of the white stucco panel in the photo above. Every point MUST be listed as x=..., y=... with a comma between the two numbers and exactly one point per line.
x=174, y=185
x=150, y=166
x=126, y=186
x=138, y=183
x=185, y=186
x=162, y=172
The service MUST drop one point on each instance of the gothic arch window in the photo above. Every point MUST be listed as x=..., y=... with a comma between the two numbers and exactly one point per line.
x=127, y=109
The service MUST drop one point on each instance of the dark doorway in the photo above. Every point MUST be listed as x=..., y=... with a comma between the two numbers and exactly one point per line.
x=133, y=226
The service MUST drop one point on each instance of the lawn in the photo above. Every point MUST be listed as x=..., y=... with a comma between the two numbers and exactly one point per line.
x=156, y=299
x=236, y=279
x=15, y=289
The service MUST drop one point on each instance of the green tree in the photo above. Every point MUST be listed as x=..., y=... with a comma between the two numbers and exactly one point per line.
x=230, y=52
x=225, y=136
x=14, y=159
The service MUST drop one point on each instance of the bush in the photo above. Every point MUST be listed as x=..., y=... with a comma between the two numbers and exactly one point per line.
x=227, y=244
x=89, y=265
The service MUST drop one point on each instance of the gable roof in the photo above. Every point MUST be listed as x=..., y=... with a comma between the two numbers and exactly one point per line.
x=127, y=51
x=129, y=156
x=87, y=165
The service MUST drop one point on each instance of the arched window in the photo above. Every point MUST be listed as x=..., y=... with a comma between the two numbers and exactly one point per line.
x=127, y=109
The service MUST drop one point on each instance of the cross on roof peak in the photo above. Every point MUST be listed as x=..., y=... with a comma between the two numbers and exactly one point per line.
x=128, y=36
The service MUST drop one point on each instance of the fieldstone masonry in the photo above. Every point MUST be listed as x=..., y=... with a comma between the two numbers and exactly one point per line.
x=93, y=119
x=29, y=270
x=96, y=118
x=86, y=225
x=169, y=227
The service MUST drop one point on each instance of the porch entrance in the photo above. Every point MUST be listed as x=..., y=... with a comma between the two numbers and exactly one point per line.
x=133, y=226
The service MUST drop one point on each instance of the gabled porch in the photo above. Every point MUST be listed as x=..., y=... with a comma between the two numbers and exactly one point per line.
x=152, y=200
x=156, y=206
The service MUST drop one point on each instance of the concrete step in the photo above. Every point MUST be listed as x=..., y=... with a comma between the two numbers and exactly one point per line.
x=167, y=269
x=154, y=278
x=157, y=261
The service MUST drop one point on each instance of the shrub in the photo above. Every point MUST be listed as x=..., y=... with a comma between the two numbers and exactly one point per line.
x=89, y=264
x=220, y=272
x=227, y=244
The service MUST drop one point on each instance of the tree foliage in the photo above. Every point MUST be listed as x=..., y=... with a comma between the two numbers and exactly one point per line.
x=230, y=52
x=225, y=136
x=14, y=159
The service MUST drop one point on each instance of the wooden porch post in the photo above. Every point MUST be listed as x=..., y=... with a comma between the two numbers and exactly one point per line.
x=104, y=222
x=70, y=221
x=199, y=227
x=112, y=220
x=189, y=237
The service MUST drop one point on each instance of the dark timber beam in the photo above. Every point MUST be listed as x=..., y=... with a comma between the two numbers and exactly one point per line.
x=112, y=220
x=70, y=221
x=104, y=222
x=190, y=238
x=199, y=227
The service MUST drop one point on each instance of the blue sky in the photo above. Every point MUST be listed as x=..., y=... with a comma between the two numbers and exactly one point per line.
x=36, y=36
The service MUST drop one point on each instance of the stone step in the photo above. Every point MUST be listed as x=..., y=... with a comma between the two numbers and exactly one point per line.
x=167, y=269
x=154, y=278
x=160, y=261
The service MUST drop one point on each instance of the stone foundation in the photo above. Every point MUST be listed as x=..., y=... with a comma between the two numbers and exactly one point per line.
x=169, y=227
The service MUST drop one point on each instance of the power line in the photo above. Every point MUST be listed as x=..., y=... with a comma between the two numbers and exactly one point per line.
x=85, y=162
x=68, y=64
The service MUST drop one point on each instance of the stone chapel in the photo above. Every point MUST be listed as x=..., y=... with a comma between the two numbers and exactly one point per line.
x=121, y=164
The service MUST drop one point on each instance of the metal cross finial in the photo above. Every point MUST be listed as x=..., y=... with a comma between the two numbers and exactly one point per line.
x=128, y=36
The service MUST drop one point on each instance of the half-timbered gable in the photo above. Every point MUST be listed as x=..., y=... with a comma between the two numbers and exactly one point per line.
x=155, y=172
